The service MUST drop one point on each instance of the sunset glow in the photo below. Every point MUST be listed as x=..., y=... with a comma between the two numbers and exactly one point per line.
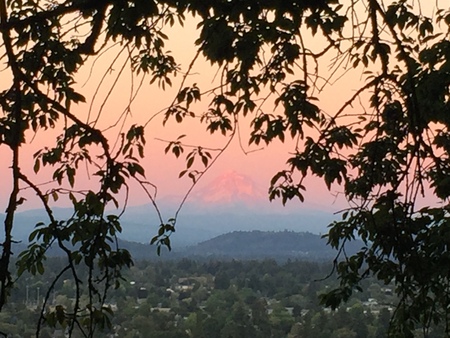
x=108, y=86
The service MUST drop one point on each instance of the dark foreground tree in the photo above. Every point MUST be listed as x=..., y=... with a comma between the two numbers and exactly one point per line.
x=271, y=58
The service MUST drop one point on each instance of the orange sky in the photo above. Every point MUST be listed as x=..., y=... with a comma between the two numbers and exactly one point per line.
x=163, y=169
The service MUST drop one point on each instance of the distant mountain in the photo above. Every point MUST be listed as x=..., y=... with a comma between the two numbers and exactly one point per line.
x=230, y=188
x=140, y=224
x=230, y=202
x=25, y=221
x=279, y=245
x=238, y=193
x=268, y=244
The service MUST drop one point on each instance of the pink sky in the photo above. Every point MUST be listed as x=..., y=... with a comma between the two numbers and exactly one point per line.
x=163, y=169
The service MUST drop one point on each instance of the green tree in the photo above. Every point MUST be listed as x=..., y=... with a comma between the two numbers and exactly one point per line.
x=238, y=323
x=281, y=320
x=260, y=318
x=194, y=324
x=345, y=332
x=383, y=323
x=359, y=321
x=383, y=156
x=221, y=280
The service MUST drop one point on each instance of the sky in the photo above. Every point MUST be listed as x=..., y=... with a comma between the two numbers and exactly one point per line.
x=161, y=169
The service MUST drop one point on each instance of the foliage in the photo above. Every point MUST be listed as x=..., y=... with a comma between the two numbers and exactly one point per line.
x=383, y=156
x=188, y=304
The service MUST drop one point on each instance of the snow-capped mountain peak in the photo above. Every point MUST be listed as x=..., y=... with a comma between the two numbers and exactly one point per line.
x=230, y=187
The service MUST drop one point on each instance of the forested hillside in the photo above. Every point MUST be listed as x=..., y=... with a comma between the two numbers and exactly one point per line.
x=209, y=299
x=268, y=244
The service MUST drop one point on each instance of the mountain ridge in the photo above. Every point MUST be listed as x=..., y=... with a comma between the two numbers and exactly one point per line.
x=269, y=244
x=279, y=245
x=230, y=202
